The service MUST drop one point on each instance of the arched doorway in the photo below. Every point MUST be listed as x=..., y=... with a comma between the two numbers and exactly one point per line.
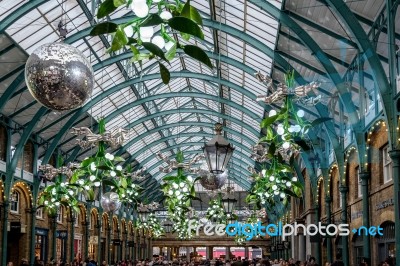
x=20, y=202
x=386, y=242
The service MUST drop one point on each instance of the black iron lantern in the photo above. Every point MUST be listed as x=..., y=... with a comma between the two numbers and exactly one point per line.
x=218, y=151
x=168, y=227
x=229, y=204
x=143, y=215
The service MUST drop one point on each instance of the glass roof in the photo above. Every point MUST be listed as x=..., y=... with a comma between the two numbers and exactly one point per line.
x=182, y=113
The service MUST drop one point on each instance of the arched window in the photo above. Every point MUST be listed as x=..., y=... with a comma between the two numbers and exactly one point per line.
x=14, y=205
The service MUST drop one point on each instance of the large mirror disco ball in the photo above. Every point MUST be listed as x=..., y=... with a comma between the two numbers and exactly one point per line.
x=59, y=76
x=213, y=181
x=110, y=202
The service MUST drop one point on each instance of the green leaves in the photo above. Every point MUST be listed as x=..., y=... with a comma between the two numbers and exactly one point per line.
x=170, y=54
x=266, y=122
x=190, y=12
x=154, y=49
x=165, y=75
x=186, y=25
x=106, y=8
x=103, y=28
x=198, y=54
x=119, y=40
x=118, y=3
x=152, y=20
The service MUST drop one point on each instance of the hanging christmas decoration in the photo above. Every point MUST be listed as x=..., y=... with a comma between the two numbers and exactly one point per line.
x=138, y=33
x=59, y=76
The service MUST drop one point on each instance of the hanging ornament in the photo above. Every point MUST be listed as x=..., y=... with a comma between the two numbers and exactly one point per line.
x=110, y=202
x=59, y=76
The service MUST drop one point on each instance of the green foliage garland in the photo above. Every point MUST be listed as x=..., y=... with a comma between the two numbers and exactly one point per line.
x=179, y=191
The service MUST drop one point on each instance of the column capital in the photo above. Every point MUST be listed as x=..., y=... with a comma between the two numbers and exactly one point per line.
x=365, y=175
x=343, y=189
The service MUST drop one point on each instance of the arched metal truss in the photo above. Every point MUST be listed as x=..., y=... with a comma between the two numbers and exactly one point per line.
x=282, y=61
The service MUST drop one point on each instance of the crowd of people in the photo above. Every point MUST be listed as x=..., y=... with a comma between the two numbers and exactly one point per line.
x=160, y=261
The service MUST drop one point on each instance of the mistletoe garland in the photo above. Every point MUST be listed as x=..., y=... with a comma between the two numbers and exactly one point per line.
x=153, y=225
x=215, y=211
x=285, y=133
x=93, y=173
x=58, y=194
x=179, y=191
x=137, y=34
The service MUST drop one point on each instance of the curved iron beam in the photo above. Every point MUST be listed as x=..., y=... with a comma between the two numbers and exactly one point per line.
x=384, y=87
x=174, y=111
x=124, y=84
x=345, y=94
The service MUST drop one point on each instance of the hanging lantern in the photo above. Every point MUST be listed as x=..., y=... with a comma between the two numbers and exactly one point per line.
x=143, y=215
x=218, y=151
x=168, y=227
x=59, y=76
x=229, y=203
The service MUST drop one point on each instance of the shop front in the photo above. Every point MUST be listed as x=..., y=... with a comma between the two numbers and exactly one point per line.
x=41, y=243
x=78, y=246
x=61, y=244
x=386, y=242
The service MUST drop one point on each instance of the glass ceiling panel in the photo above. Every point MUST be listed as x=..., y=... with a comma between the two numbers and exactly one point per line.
x=39, y=26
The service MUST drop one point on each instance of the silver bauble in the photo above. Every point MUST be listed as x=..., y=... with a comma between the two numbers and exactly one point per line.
x=212, y=181
x=110, y=202
x=59, y=76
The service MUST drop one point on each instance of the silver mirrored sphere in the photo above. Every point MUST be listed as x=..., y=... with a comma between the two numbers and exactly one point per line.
x=59, y=76
x=110, y=202
x=211, y=181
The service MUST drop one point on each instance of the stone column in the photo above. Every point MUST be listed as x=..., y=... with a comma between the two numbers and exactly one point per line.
x=246, y=252
x=227, y=253
x=302, y=247
x=169, y=251
x=187, y=254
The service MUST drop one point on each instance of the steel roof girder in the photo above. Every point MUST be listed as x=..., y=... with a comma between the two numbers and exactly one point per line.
x=174, y=111
x=385, y=90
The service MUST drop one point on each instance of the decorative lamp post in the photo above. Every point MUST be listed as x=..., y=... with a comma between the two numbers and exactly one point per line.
x=218, y=151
